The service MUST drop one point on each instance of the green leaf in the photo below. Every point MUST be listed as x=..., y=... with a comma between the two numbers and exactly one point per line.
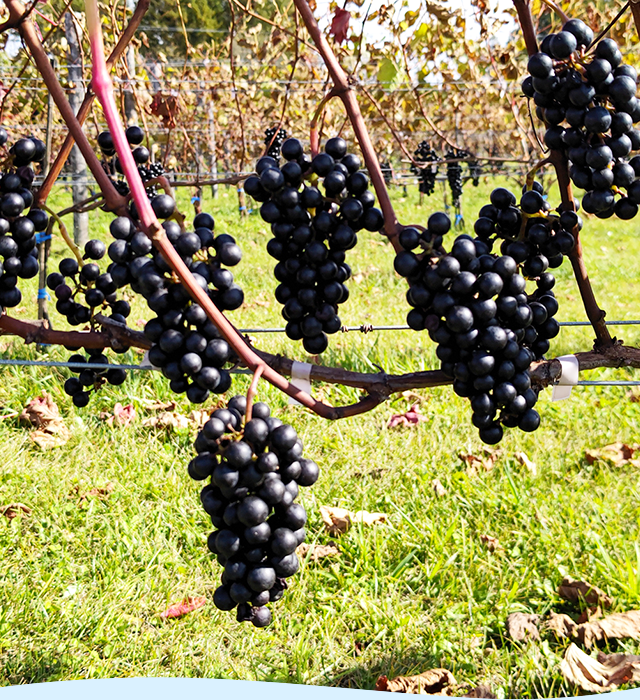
x=388, y=73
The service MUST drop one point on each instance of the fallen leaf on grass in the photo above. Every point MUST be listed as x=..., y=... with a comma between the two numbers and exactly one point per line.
x=607, y=672
x=523, y=460
x=42, y=412
x=162, y=406
x=13, y=510
x=633, y=395
x=121, y=416
x=338, y=520
x=581, y=591
x=315, y=552
x=476, y=464
x=199, y=417
x=618, y=454
x=186, y=606
x=562, y=625
x=434, y=682
x=521, y=626
x=100, y=491
x=406, y=420
x=491, y=543
x=438, y=488
x=624, y=625
x=171, y=419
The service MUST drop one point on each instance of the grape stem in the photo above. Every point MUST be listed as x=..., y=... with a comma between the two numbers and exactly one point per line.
x=85, y=107
x=65, y=235
x=251, y=393
x=314, y=134
x=594, y=313
x=114, y=201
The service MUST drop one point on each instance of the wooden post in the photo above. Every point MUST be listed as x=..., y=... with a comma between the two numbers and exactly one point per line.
x=77, y=163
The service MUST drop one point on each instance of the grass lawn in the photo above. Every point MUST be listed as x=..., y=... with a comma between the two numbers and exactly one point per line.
x=82, y=580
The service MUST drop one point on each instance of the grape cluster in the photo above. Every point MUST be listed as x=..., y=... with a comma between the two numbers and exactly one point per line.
x=475, y=170
x=255, y=471
x=17, y=229
x=186, y=345
x=475, y=306
x=387, y=171
x=589, y=105
x=425, y=154
x=454, y=175
x=312, y=232
x=87, y=283
x=79, y=388
x=147, y=171
x=276, y=145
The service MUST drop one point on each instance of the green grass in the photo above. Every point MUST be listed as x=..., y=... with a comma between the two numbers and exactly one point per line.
x=82, y=580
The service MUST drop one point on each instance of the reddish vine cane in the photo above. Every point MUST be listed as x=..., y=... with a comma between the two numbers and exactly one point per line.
x=104, y=92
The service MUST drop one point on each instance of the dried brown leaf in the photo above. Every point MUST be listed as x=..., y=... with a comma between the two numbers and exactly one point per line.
x=166, y=420
x=561, y=625
x=607, y=672
x=625, y=625
x=101, y=492
x=315, y=552
x=581, y=591
x=521, y=626
x=42, y=412
x=186, y=606
x=476, y=464
x=199, y=418
x=491, y=543
x=618, y=454
x=406, y=420
x=47, y=441
x=438, y=488
x=13, y=510
x=338, y=520
x=437, y=681
x=121, y=416
x=523, y=459
x=162, y=406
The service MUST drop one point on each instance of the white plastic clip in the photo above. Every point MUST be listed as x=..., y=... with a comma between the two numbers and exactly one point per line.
x=567, y=379
x=300, y=373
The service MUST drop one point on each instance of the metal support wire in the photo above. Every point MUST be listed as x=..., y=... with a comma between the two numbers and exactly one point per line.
x=367, y=328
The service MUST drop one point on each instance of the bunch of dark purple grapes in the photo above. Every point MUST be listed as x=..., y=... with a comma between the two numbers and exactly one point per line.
x=454, y=174
x=274, y=144
x=594, y=95
x=312, y=232
x=255, y=471
x=91, y=379
x=147, y=171
x=475, y=306
x=98, y=292
x=186, y=345
x=428, y=174
x=87, y=283
x=18, y=229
